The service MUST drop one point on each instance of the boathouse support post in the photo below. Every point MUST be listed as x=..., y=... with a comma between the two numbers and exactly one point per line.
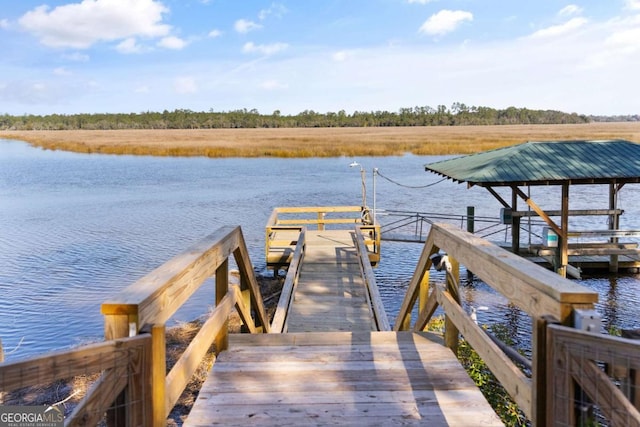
x=614, y=224
x=562, y=259
x=515, y=224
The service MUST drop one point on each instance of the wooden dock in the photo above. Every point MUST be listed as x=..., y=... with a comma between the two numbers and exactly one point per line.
x=332, y=366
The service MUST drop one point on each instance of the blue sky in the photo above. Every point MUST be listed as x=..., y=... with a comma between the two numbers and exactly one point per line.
x=323, y=55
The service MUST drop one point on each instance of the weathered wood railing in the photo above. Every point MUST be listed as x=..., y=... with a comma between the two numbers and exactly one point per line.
x=540, y=293
x=373, y=295
x=573, y=361
x=134, y=376
x=279, y=323
x=285, y=223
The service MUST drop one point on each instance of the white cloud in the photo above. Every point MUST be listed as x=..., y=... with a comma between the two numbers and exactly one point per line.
x=61, y=71
x=243, y=26
x=129, y=46
x=276, y=9
x=142, y=89
x=273, y=85
x=80, y=25
x=265, y=49
x=76, y=57
x=185, y=85
x=445, y=21
x=419, y=1
x=215, y=33
x=340, y=56
x=632, y=4
x=570, y=10
x=172, y=42
x=4, y=24
x=557, y=30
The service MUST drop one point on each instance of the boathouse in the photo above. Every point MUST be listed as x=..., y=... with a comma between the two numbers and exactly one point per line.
x=614, y=163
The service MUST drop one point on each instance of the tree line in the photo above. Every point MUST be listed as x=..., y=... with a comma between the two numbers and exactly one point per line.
x=458, y=114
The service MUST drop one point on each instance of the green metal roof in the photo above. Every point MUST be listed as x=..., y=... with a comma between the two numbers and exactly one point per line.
x=546, y=162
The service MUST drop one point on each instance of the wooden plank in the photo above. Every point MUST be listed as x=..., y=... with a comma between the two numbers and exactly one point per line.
x=184, y=368
x=572, y=212
x=340, y=378
x=160, y=293
x=293, y=273
x=381, y=319
x=534, y=289
x=101, y=394
x=510, y=376
x=51, y=367
x=609, y=398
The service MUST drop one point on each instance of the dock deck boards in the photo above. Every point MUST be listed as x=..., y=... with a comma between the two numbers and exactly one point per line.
x=339, y=378
x=332, y=367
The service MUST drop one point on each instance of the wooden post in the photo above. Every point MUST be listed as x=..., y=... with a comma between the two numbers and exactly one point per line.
x=539, y=361
x=515, y=222
x=614, y=224
x=471, y=212
x=451, y=333
x=423, y=294
x=117, y=326
x=158, y=376
x=563, y=237
x=321, y=221
x=222, y=287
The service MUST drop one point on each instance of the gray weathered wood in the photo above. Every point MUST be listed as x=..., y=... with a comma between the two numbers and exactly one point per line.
x=373, y=378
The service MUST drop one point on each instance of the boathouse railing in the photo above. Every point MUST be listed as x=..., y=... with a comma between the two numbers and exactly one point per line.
x=541, y=293
x=134, y=387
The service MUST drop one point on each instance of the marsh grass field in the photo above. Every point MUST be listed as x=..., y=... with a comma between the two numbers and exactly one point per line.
x=317, y=142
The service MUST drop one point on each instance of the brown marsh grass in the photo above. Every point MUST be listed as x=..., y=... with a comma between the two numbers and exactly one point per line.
x=317, y=142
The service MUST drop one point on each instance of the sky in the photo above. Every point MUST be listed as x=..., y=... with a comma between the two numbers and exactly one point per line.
x=131, y=56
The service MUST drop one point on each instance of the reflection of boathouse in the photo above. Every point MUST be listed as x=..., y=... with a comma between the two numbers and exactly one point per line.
x=558, y=163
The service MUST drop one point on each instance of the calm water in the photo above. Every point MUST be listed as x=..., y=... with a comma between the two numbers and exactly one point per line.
x=75, y=229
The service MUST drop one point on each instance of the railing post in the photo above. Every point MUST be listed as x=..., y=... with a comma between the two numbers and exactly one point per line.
x=451, y=333
x=471, y=213
x=158, y=376
x=321, y=221
x=540, y=364
x=222, y=287
x=117, y=326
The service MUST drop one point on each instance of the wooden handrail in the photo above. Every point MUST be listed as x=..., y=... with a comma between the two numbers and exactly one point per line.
x=154, y=298
x=138, y=363
x=285, y=222
x=375, y=301
x=537, y=291
x=281, y=315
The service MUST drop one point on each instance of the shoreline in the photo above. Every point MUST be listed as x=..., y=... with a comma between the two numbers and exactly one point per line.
x=316, y=142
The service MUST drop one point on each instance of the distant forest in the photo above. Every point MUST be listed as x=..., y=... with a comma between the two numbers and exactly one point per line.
x=458, y=115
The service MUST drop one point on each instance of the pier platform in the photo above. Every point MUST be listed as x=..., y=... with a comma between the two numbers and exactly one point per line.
x=333, y=366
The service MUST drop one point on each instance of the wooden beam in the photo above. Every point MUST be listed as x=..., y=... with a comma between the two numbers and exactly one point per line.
x=293, y=273
x=510, y=376
x=572, y=212
x=498, y=197
x=403, y=320
x=534, y=289
x=159, y=294
x=539, y=211
x=382, y=322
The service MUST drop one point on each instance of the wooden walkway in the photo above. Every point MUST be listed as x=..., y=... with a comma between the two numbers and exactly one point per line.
x=332, y=367
x=331, y=294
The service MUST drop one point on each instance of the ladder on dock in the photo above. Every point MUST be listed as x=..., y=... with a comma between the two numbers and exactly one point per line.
x=336, y=362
